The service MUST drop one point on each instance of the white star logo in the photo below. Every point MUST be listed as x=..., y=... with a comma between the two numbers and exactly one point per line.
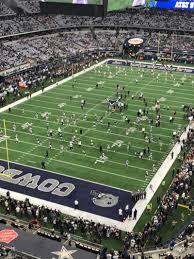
x=64, y=253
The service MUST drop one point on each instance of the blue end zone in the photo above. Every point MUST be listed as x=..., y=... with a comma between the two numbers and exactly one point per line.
x=93, y=198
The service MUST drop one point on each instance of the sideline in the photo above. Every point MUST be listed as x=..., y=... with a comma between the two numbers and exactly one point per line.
x=50, y=87
x=156, y=181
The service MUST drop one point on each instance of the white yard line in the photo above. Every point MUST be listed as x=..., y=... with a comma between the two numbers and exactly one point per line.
x=62, y=99
x=31, y=161
x=121, y=120
x=78, y=165
x=136, y=85
x=50, y=87
x=84, y=180
x=75, y=153
x=86, y=146
x=160, y=82
x=95, y=130
x=74, y=106
x=139, y=89
x=78, y=154
x=129, y=108
x=120, y=78
x=70, y=133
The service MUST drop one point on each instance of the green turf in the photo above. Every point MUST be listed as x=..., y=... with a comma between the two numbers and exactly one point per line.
x=81, y=161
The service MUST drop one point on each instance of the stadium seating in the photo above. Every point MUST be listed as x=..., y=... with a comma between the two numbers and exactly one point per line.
x=42, y=48
x=140, y=19
x=43, y=42
x=29, y=6
x=4, y=10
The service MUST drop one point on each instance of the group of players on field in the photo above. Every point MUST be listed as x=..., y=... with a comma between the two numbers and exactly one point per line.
x=118, y=104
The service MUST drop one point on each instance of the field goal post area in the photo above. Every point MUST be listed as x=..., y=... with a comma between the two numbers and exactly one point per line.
x=4, y=139
x=3, y=135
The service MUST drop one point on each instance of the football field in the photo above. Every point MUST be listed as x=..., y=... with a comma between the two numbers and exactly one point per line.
x=119, y=133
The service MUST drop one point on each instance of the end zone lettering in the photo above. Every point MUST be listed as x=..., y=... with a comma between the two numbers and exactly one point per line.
x=61, y=189
x=28, y=180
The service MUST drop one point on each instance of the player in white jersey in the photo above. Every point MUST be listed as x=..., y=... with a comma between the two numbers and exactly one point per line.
x=59, y=132
x=103, y=158
x=16, y=138
x=62, y=121
x=71, y=145
x=30, y=130
x=127, y=163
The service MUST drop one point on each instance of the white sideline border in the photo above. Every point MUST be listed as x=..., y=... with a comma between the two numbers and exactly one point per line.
x=159, y=176
x=156, y=181
x=128, y=225
x=50, y=87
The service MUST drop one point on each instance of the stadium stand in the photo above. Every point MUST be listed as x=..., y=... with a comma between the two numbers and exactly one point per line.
x=42, y=49
x=138, y=19
x=4, y=10
x=181, y=42
x=29, y=6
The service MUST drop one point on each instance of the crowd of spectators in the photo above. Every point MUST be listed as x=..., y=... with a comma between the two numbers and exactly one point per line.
x=34, y=78
x=146, y=18
x=39, y=49
x=37, y=77
x=54, y=46
x=190, y=256
x=170, y=256
x=170, y=40
x=29, y=6
x=179, y=191
x=188, y=231
x=4, y=10
x=55, y=219
x=33, y=50
x=3, y=251
x=42, y=49
x=11, y=253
